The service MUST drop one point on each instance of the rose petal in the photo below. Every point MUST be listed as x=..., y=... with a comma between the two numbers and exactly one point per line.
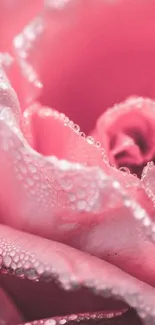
x=8, y=312
x=107, y=318
x=65, y=263
x=22, y=76
x=53, y=133
x=24, y=43
x=9, y=12
x=40, y=126
x=88, y=57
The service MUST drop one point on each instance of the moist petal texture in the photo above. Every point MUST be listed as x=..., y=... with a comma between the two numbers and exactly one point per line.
x=91, y=58
x=39, y=257
x=72, y=202
x=68, y=200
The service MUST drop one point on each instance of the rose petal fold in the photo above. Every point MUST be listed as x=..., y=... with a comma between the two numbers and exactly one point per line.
x=73, y=268
x=121, y=317
x=53, y=133
x=90, y=57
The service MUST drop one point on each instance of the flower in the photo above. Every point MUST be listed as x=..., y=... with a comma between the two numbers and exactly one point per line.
x=77, y=232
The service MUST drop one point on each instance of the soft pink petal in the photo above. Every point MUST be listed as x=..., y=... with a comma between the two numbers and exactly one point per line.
x=54, y=134
x=121, y=317
x=13, y=17
x=22, y=76
x=72, y=268
x=91, y=54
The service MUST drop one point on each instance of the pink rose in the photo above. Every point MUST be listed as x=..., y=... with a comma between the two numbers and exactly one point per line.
x=77, y=225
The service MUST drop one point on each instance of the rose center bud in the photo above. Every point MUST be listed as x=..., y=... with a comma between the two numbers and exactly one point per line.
x=127, y=133
x=128, y=148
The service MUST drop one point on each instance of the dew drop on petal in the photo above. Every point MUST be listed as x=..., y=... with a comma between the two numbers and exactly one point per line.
x=50, y=322
x=82, y=134
x=124, y=170
x=62, y=321
x=90, y=140
x=81, y=205
x=7, y=261
x=76, y=128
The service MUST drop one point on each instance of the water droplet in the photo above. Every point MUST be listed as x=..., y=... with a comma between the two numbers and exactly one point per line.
x=21, y=256
x=55, y=114
x=62, y=116
x=19, y=272
x=40, y=269
x=90, y=140
x=81, y=205
x=82, y=134
x=116, y=184
x=32, y=168
x=27, y=265
x=50, y=322
x=66, y=184
x=127, y=203
x=124, y=170
x=76, y=127
x=12, y=253
x=98, y=144
x=7, y=261
x=63, y=321
x=72, y=317
x=72, y=197
x=23, y=169
x=66, y=121
x=46, y=276
x=13, y=266
x=31, y=274
x=16, y=258
x=147, y=222
x=30, y=181
x=64, y=165
x=81, y=194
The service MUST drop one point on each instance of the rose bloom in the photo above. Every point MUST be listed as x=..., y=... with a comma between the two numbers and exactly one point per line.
x=77, y=203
